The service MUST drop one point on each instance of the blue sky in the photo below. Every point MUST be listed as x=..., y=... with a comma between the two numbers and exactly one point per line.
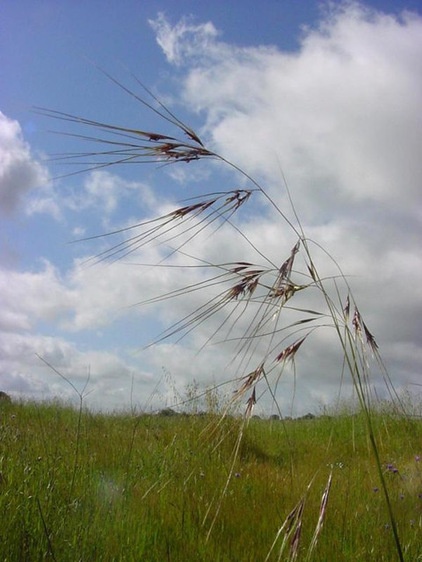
x=328, y=95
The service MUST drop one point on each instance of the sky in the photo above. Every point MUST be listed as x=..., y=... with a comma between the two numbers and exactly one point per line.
x=318, y=102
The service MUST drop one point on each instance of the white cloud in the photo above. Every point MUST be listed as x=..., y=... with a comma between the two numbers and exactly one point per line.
x=84, y=298
x=19, y=171
x=89, y=298
x=21, y=175
x=47, y=202
x=185, y=39
x=102, y=191
x=343, y=111
x=105, y=379
x=40, y=302
x=27, y=297
x=341, y=117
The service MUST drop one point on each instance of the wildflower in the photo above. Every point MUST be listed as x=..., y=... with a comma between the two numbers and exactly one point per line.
x=417, y=458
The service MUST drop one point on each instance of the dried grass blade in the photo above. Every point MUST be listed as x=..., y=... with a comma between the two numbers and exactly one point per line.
x=322, y=513
x=289, y=352
x=288, y=527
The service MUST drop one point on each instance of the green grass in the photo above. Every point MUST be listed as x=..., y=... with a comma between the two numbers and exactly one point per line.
x=171, y=488
x=119, y=487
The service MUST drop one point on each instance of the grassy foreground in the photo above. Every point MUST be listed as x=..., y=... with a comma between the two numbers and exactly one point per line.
x=92, y=487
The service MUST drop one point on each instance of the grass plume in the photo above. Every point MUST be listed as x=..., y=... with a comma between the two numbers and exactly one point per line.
x=255, y=298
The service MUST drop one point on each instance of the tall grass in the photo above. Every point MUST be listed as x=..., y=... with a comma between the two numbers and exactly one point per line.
x=146, y=487
x=260, y=306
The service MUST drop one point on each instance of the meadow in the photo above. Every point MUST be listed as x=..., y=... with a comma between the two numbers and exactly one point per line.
x=341, y=487
x=77, y=485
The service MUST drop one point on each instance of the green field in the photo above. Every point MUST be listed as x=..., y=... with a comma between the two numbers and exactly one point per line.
x=92, y=487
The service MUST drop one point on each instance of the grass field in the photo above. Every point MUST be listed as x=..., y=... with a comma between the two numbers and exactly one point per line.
x=82, y=486
x=345, y=487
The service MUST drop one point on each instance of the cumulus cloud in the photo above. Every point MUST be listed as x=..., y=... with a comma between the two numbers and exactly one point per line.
x=84, y=298
x=342, y=111
x=340, y=118
x=28, y=297
x=37, y=303
x=185, y=39
x=104, y=191
x=47, y=368
x=20, y=172
x=24, y=178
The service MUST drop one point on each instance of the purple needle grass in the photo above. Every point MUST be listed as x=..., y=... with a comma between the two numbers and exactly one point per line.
x=322, y=512
x=264, y=291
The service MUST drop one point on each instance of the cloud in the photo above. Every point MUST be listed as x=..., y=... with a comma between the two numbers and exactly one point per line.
x=340, y=118
x=105, y=380
x=19, y=171
x=27, y=297
x=24, y=182
x=342, y=111
x=84, y=298
x=103, y=191
x=185, y=39
x=36, y=306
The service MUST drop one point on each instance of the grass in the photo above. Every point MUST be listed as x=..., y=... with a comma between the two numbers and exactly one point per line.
x=288, y=474
x=147, y=487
